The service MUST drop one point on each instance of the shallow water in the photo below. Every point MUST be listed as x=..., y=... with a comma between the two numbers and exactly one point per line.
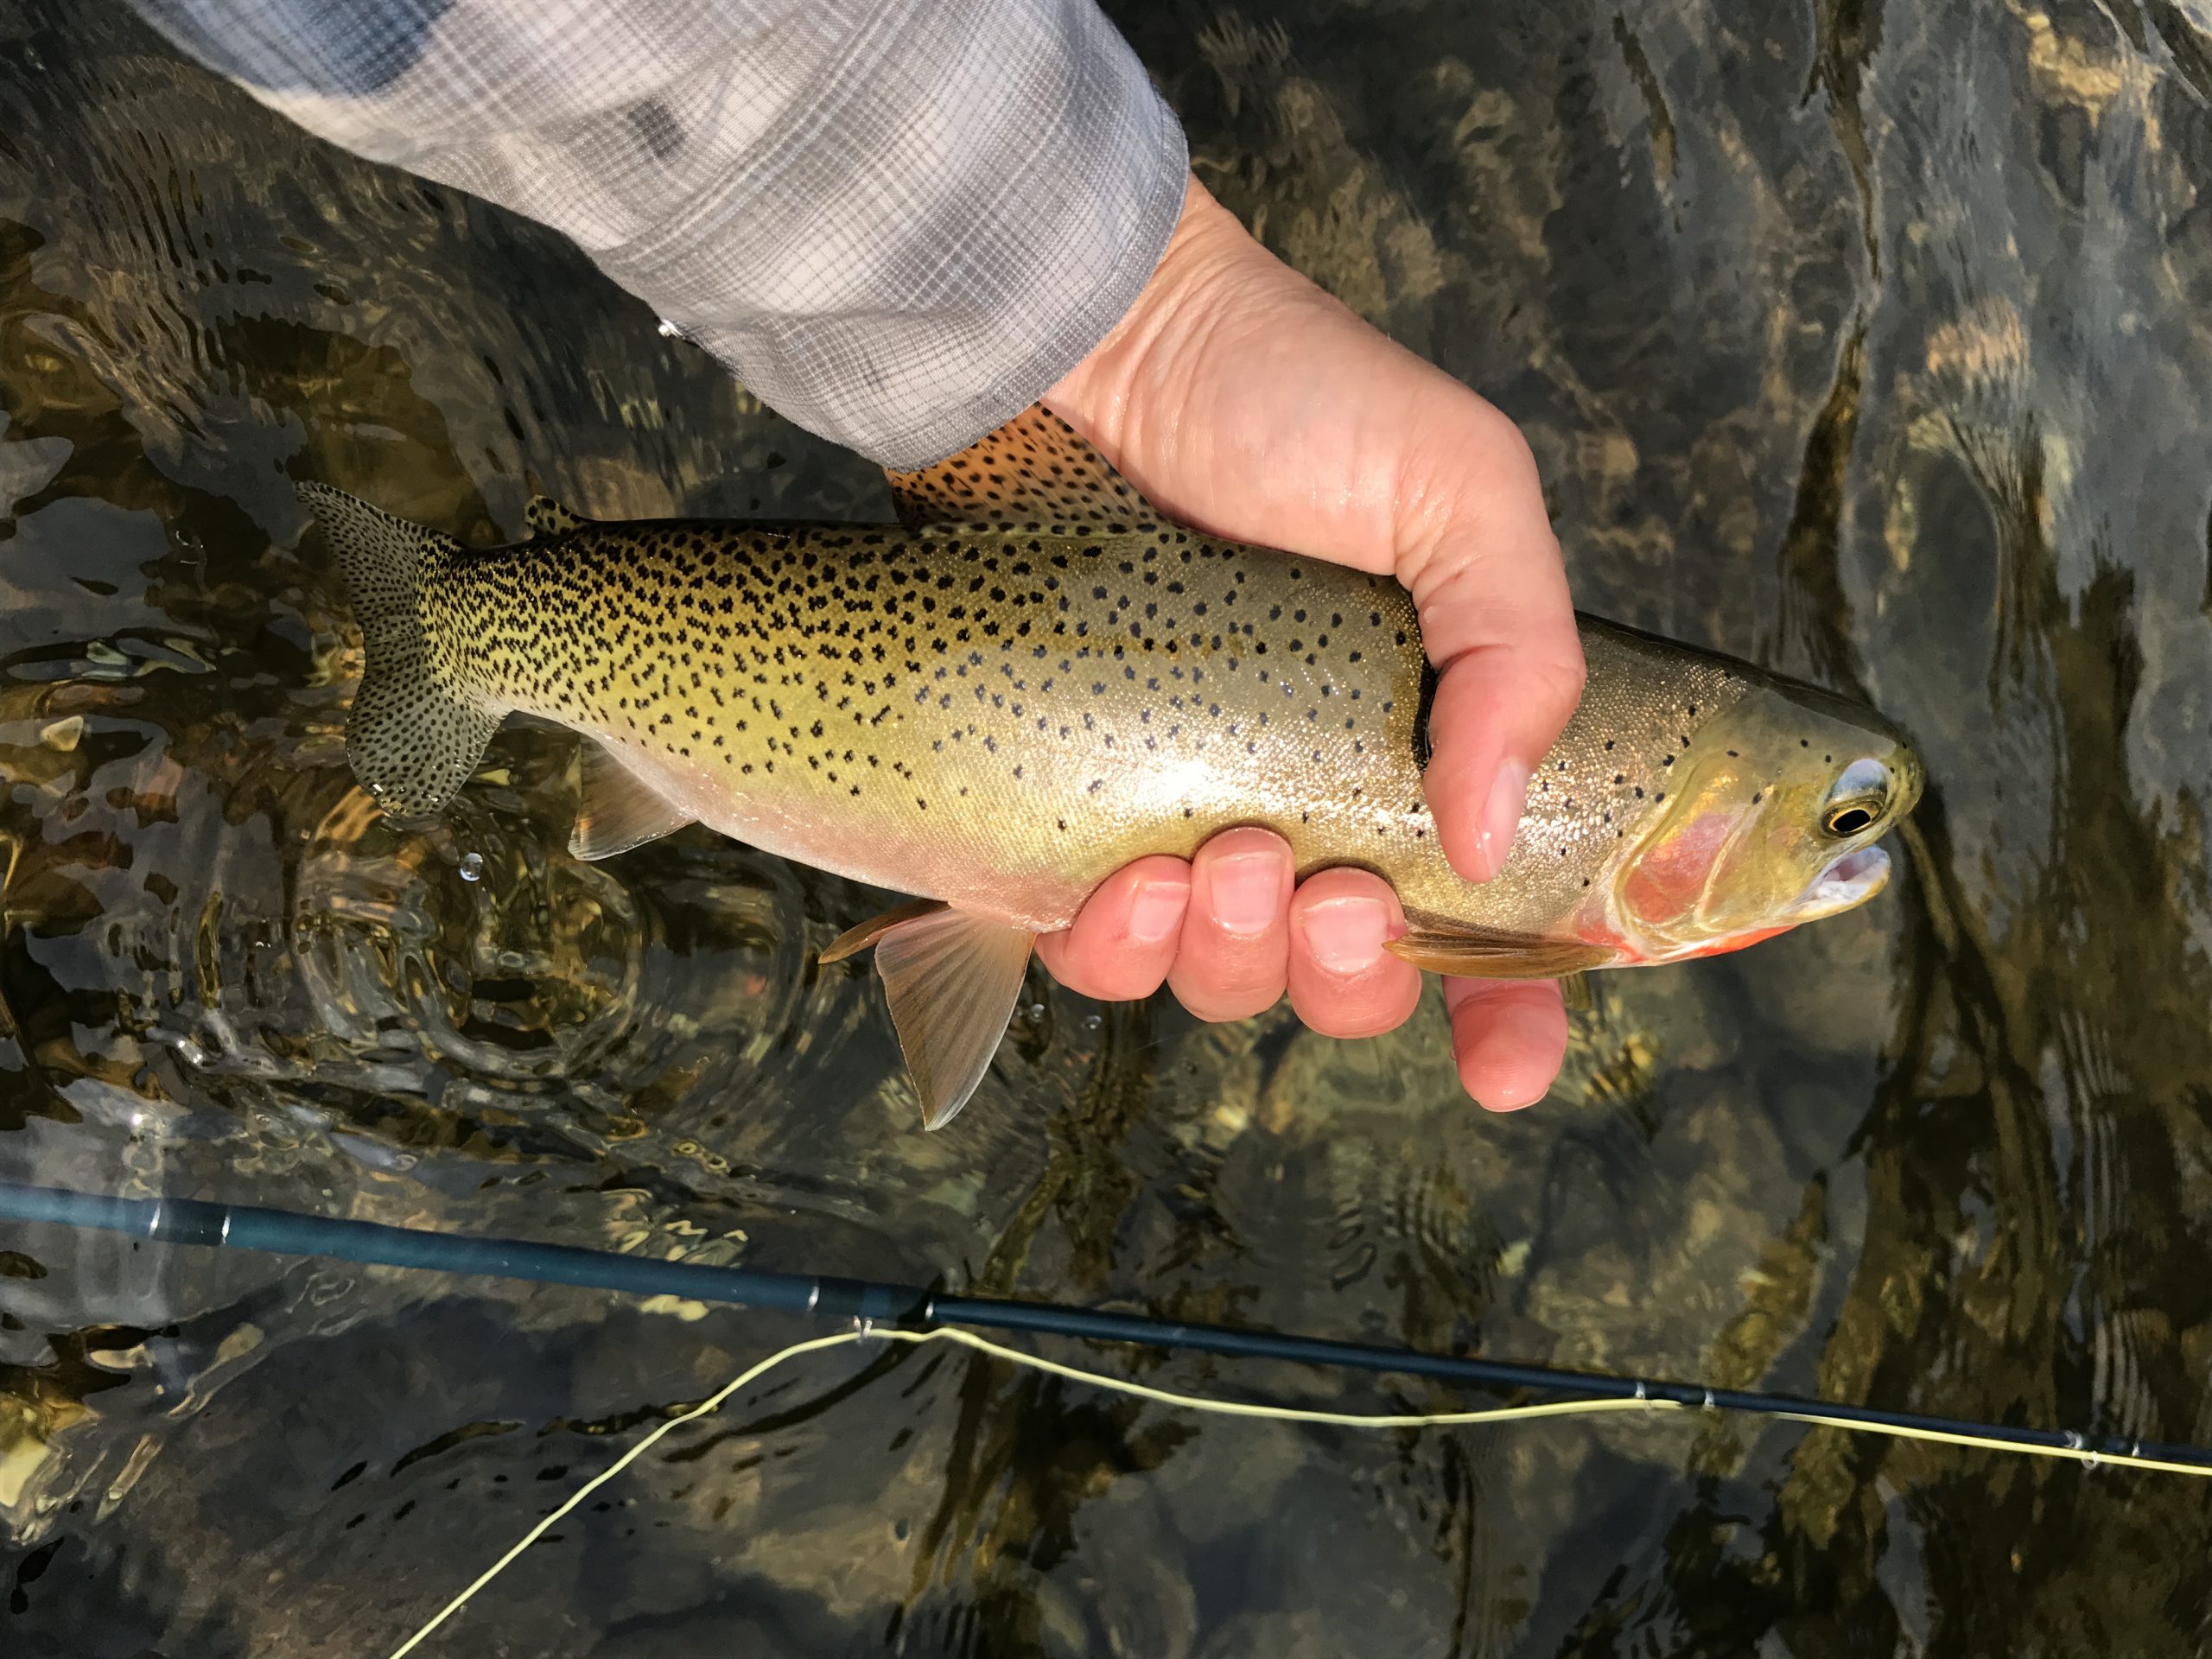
x=1864, y=341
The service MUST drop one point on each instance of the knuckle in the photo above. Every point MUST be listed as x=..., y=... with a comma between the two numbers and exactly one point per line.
x=1506, y=446
x=1219, y=991
x=1220, y=1011
x=1562, y=678
x=1319, y=1009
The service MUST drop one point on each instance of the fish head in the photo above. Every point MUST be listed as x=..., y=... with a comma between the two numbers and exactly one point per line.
x=1772, y=822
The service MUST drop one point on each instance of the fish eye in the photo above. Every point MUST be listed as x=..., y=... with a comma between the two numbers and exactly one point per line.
x=1845, y=821
x=1856, y=799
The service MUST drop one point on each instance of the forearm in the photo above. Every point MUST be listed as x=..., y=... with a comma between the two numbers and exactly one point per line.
x=898, y=223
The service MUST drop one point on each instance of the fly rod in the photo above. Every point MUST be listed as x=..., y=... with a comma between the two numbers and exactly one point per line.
x=284, y=1232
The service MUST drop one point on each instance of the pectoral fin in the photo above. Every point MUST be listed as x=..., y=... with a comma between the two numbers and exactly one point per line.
x=1574, y=992
x=952, y=980
x=1495, y=953
x=616, y=810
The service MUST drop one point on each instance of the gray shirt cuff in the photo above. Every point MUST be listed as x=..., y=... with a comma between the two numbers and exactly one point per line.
x=898, y=223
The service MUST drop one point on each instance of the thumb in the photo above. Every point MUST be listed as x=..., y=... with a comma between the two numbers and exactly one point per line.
x=1499, y=625
x=1497, y=708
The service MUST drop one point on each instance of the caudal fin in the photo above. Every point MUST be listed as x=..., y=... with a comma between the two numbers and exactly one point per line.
x=412, y=739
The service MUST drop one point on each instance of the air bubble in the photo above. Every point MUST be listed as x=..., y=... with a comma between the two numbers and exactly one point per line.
x=471, y=867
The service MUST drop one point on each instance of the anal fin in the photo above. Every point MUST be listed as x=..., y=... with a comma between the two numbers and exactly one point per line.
x=952, y=980
x=616, y=810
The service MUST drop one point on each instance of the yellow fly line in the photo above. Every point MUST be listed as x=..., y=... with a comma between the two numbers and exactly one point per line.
x=1236, y=1408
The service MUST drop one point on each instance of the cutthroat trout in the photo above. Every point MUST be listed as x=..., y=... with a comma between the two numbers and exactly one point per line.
x=1034, y=678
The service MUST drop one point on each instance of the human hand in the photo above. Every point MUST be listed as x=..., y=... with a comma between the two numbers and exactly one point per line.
x=1244, y=401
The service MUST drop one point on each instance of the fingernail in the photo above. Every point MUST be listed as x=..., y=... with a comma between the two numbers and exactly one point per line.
x=1157, y=911
x=1509, y=798
x=1344, y=935
x=1247, y=892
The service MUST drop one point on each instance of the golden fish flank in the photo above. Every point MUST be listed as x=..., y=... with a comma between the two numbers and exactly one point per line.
x=1034, y=679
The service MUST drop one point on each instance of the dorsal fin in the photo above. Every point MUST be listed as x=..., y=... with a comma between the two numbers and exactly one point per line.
x=1034, y=472
x=546, y=517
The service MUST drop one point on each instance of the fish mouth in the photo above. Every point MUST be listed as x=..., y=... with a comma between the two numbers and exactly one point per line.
x=1849, y=881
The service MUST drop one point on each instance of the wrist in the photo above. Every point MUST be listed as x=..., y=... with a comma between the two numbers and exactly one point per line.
x=1096, y=397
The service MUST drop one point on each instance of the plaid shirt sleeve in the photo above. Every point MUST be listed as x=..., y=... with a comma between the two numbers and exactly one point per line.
x=898, y=221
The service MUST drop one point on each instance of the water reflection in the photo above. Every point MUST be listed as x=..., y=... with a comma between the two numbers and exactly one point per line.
x=1865, y=342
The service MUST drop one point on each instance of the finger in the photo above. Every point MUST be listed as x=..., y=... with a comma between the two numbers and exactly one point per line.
x=1495, y=715
x=1510, y=1038
x=1124, y=938
x=1486, y=577
x=1342, y=983
x=1232, y=958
